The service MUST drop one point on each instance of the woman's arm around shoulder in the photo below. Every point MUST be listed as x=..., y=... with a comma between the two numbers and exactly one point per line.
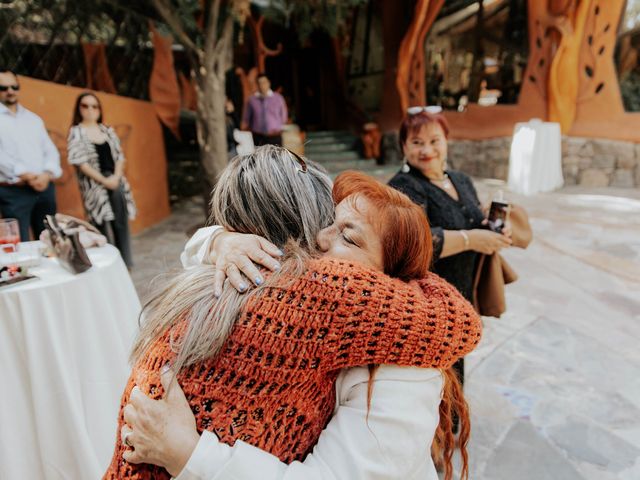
x=367, y=317
x=196, y=250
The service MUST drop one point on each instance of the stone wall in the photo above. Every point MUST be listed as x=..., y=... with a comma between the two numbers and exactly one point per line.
x=600, y=163
x=481, y=158
x=585, y=161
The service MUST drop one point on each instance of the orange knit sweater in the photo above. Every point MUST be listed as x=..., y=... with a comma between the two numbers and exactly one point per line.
x=272, y=385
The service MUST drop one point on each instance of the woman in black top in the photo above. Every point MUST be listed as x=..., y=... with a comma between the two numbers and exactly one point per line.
x=95, y=150
x=449, y=200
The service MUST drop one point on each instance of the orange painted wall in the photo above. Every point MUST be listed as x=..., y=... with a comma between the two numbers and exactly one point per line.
x=140, y=133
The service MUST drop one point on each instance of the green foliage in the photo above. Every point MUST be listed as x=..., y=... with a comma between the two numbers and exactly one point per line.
x=308, y=16
x=630, y=90
x=42, y=39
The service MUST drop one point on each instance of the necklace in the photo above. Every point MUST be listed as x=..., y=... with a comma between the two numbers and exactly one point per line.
x=444, y=182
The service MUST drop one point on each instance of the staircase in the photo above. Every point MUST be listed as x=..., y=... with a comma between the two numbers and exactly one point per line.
x=338, y=150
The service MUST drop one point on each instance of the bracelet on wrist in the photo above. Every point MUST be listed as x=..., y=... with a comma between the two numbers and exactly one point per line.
x=465, y=237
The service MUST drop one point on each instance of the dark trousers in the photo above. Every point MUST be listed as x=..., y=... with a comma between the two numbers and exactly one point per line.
x=117, y=231
x=28, y=206
x=260, y=139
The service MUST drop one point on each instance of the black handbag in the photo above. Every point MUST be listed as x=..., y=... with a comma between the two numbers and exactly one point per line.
x=65, y=242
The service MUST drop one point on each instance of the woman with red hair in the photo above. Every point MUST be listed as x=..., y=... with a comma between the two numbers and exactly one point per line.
x=386, y=416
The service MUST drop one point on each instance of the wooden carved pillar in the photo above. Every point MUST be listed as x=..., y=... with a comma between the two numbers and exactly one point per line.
x=555, y=51
x=571, y=59
x=261, y=52
x=410, y=78
x=97, y=68
x=164, y=90
x=569, y=21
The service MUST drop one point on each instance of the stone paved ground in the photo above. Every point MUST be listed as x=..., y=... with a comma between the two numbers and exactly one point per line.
x=554, y=386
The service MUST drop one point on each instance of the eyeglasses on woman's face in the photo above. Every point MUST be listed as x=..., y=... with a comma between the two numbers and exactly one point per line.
x=89, y=106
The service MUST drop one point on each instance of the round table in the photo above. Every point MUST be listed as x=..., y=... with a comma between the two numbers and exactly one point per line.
x=64, y=346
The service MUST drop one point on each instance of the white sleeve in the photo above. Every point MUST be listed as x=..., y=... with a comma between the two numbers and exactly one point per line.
x=50, y=153
x=393, y=444
x=7, y=165
x=195, y=250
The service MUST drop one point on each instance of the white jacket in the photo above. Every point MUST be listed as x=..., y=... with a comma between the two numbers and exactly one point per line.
x=392, y=443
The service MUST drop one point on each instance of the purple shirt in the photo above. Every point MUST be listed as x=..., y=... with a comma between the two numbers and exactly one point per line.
x=265, y=114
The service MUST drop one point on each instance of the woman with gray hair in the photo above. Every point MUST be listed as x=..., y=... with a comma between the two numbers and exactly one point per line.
x=262, y=368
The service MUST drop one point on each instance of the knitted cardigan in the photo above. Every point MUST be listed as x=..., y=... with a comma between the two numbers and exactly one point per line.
x=272, y=384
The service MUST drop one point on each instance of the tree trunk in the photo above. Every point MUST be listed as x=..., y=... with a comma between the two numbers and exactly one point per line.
x=210, y=116
x=211, y=126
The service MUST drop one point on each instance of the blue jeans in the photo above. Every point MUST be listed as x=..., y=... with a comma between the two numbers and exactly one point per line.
x=28, y=207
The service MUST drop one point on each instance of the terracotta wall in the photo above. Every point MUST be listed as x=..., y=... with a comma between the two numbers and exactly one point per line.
x=139, y=131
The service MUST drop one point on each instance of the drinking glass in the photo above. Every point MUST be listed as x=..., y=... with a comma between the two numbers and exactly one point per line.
x=9, y=234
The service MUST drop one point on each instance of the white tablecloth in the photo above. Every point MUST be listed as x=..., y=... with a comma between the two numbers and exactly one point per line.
x=64, y=345
x=535, y=161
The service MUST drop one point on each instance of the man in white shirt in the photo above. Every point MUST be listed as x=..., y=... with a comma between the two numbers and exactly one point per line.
x=29, y=161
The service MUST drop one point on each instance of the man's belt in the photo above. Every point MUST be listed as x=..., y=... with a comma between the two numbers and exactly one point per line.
x=21, y=183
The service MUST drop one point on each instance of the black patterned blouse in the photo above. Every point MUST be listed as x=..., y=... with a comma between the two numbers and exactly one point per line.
x=445, y=213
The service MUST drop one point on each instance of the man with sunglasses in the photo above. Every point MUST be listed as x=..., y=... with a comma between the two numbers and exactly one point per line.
x=29, y=161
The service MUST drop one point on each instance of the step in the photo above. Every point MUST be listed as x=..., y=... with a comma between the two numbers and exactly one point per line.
x=382, y=173
x=333, y=156
x=346, y=137
x=328, y=133
x=342, y=165
x=311, y=148
x=330, y=141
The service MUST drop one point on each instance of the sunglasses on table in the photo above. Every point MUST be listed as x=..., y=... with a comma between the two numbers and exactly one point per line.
x=432, y=109
x=4, y=88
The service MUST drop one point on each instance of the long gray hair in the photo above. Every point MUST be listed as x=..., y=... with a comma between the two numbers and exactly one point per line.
x=267, y=193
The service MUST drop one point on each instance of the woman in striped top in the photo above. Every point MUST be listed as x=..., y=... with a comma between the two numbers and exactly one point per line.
x=94, y=148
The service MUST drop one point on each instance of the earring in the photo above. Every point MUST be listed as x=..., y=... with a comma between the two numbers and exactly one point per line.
x=405, y=166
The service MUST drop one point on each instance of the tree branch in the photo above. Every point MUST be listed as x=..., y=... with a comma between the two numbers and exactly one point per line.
x=172, y=20
x=223, y=47
x=211, y=33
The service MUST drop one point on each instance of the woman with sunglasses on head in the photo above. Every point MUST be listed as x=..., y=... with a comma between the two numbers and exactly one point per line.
x=271, y=373
x=94, y=148
x=449, y=200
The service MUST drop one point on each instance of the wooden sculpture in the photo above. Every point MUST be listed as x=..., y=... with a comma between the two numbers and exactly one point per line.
x=410, y=78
